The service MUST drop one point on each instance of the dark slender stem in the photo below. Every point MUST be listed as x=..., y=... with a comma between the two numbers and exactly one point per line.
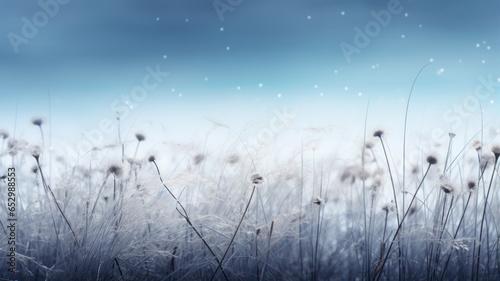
x=482, y=220
x=47, y=188
x=392, y=180
x=441, y=234
x=455, y=236
x=395, y=197
x=234, y=235
x=184, y=214
x=379, y=274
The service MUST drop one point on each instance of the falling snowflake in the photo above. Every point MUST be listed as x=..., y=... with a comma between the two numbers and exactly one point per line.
x=228, y=48
x=260, y=85
x=279, y=95
x=222, y=29
x=308, y=17
x=342, y=13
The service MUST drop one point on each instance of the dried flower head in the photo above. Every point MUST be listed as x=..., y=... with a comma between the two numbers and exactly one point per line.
x=378, y=133
x=415, y=170
x=257, y=232
x=446, y=185
x=452, y=135
x=37, y=121
x=412, y=211
x=116, y=170
x=133, y=161
x=477, y=145
x=256, y=178
x=233, y=158
x=447, y=188
x=486, y=160
x=151, y=158
x=4, y=134
x=198, y=158
x=496, y=151
x=431, y=159
x=388, y=207
x=35, y=151
x=369, y=145
x=34, y=169
x=140, y=136
x=319, y=201
x=471, y=185
x=352, y=173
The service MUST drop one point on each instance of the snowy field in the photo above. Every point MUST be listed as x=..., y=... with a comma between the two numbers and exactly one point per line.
x=247, y=140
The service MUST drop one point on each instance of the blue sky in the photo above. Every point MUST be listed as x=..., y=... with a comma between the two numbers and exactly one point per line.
x=261, y=56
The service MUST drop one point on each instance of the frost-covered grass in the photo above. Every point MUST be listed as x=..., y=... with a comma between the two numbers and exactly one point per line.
x=122, y=213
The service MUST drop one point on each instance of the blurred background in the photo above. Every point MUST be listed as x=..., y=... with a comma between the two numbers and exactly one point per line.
x=245, y=65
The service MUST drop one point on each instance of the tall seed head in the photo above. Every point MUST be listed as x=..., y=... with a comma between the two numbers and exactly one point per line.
x=37, y=121
x=496, y=151
x=4, y=134
x=471, y=185
x=116, y=170
x=388, y=207
x=447, y=188
x=378, y=133
x=256, y=178
x=35, y=151
x=431, y=159
x=198, y=158
x=140, y=137
x=477, y=145
x=319, y=201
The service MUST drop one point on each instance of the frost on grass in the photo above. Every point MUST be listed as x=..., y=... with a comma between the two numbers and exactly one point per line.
x=132, y=224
